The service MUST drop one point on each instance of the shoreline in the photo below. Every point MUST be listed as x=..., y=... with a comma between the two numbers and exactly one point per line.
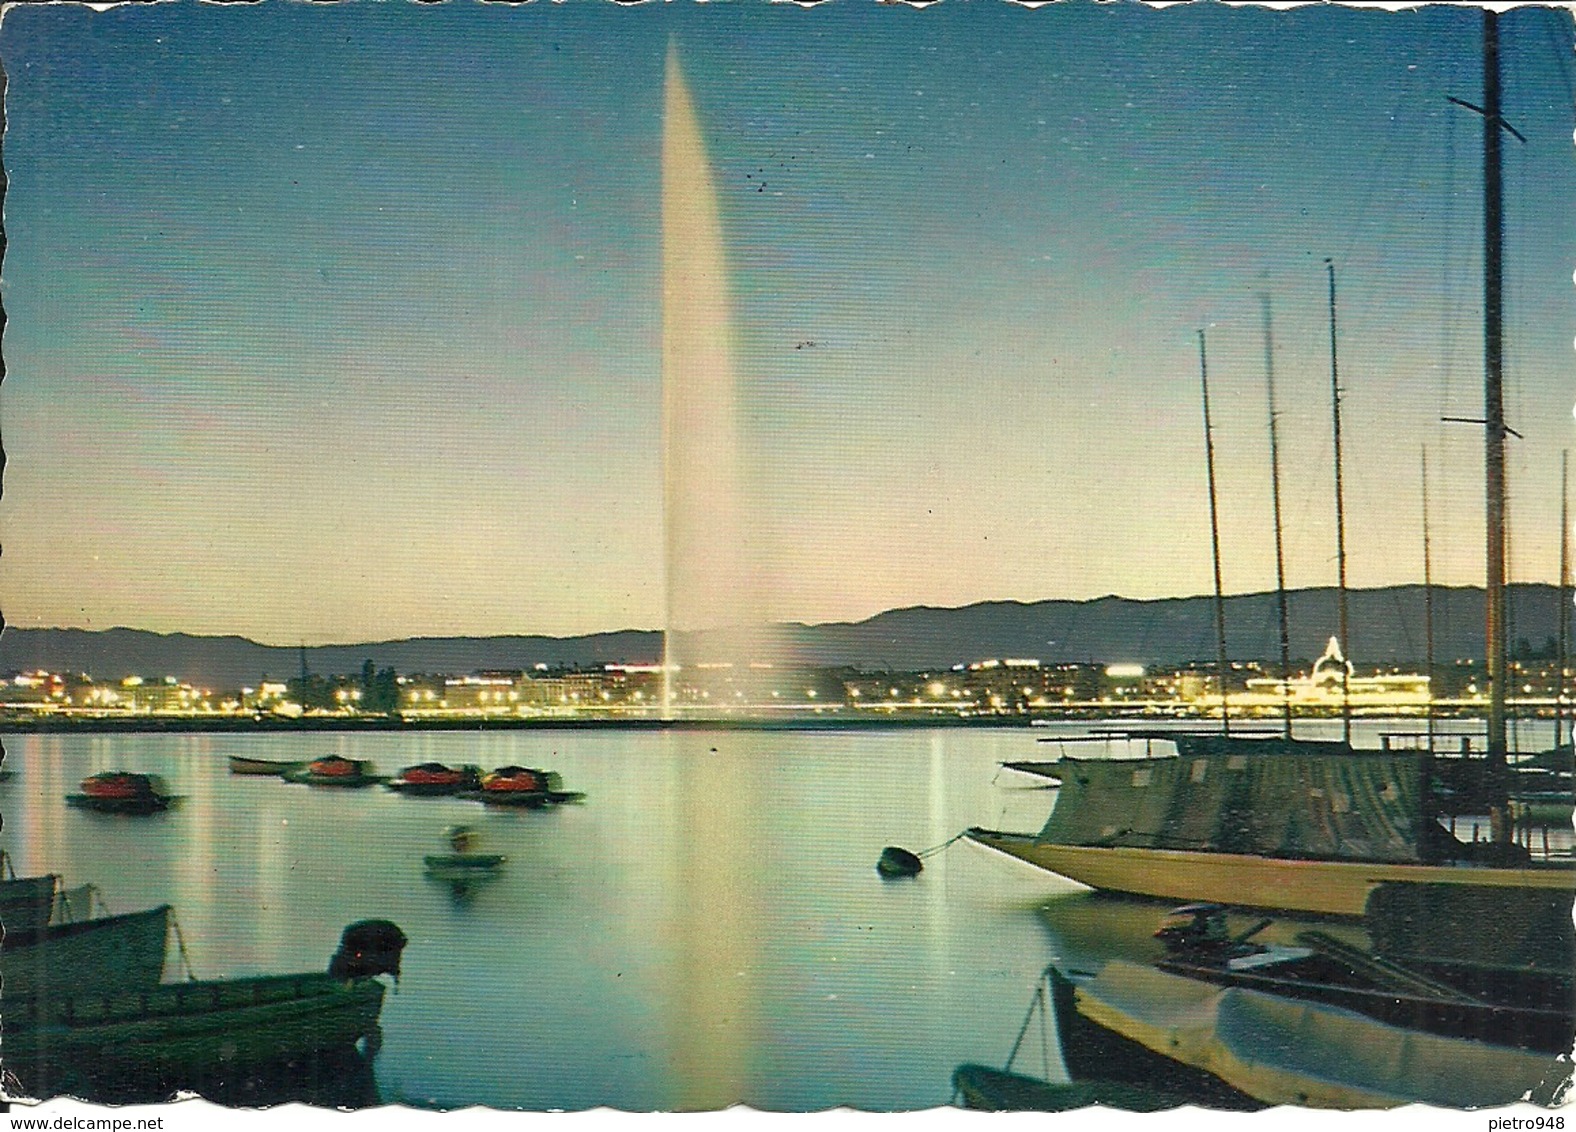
x=241, y=725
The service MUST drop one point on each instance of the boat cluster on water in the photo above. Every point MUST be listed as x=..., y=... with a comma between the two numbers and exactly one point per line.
x=125, y=792
x=1446, y=976
x=87, y=1012
x=504, y=786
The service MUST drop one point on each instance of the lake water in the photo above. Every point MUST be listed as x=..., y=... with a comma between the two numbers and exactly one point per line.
x=707, y=927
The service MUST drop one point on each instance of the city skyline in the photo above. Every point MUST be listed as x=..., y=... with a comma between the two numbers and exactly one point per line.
x=380, y=357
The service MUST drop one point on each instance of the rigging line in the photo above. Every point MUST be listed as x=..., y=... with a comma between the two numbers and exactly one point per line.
x=1393, y=118
x=1447, y=290
x=1563, y=53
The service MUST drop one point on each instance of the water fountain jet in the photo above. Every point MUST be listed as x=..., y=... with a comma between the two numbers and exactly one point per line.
x=714, y=609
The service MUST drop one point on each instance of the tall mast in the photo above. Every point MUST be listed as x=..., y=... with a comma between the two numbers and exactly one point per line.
x=1275, y=500
x=1565, y=600
x=1428, y=605
x=1214, y=541
x=1340, y=517
x=1494, y=430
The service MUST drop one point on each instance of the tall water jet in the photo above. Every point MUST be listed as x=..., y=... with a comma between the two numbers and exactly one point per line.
x=714, y=610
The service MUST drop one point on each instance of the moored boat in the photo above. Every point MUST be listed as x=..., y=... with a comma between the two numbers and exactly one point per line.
x=122, y=792
x=1503, y=1006
x=1273, y=1050
x=433, y=780
x=335, y=770
x=1292, y=827
x=209, y=1036
x=106, y=954
x=523, y=786
x=464, y=863
x=277, y=768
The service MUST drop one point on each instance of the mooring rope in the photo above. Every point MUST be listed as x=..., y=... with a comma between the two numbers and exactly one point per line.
x=938, y=848
x=180, y=945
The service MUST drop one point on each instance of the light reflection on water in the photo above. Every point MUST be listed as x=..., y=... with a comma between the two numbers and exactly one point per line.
x=708, y=927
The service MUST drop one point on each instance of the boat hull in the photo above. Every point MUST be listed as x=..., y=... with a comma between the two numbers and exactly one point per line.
x=239, y=764
x=530, y=799
x=1326, y=888
x=1279, y=1051
x=464, y=863
x=138, y=805
x=195, y=1036
x=108, y=954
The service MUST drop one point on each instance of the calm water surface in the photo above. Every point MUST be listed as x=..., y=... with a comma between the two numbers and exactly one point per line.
x=708, y=927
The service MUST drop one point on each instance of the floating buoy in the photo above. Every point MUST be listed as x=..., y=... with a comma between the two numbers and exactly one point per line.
x=897, y=862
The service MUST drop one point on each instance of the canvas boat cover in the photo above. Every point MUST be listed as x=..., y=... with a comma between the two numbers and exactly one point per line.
x=1288, y=1051
x=1318, y=804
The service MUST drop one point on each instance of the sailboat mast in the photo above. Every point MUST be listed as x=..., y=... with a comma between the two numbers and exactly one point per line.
x=1340, y=517
x=1428, y=606
x=1214, y=541
x=1494, y=429
x=1275, y=501
x=1564, y=599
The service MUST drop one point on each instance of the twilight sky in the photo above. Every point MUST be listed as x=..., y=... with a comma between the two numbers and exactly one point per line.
x=342, y=322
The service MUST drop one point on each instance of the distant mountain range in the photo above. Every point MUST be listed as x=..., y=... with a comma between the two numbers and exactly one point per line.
x=1386, y=627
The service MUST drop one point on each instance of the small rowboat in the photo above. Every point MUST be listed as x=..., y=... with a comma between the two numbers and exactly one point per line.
x=240, y=764
x=120, y=792
x=433, y=780
x=336, y=771
x=463, y=865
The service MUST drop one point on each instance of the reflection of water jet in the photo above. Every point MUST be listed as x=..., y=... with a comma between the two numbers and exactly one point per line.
x=714, y=613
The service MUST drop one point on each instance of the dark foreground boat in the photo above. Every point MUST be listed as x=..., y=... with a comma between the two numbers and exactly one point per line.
x=1232, y=1047
x=120, y=792
x=240, y=764
x=106, y=955
x=1144, y=1086
x=230, y=1038
x=335, y=771
x=1501, y=1005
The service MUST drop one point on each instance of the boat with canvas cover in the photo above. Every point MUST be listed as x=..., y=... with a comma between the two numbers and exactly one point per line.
x=122, y=792
x=203, y=1036
x=1287, y=828
x=435, y=780
x=523, y=786
x=335, y=770
x=1272, y=1050
x=1282, y=824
